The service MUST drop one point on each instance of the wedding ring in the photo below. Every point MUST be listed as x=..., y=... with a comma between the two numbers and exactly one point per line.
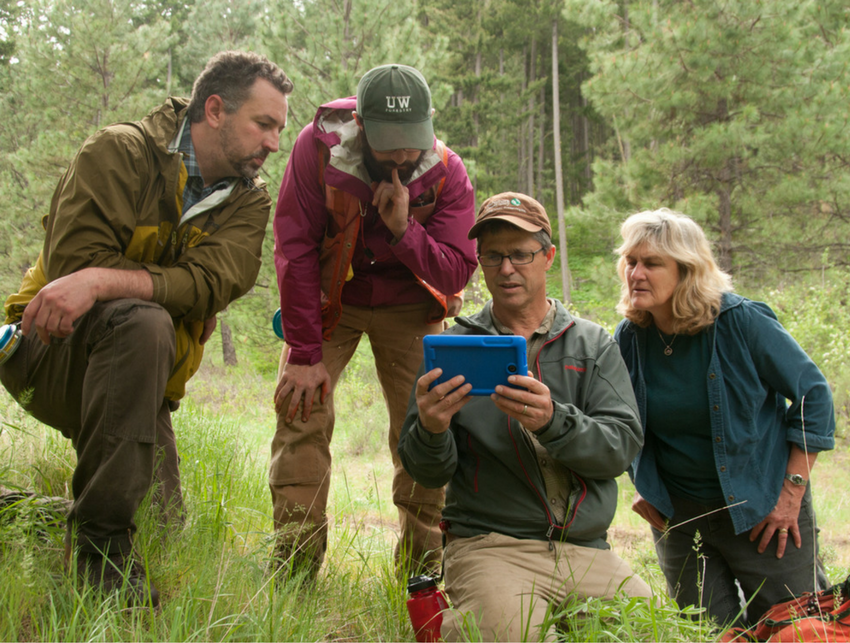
x=783, y=531
x=524, y=409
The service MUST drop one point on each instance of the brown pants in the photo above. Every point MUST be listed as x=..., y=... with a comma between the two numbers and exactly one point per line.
x=103, y=387
x=508, y=586
x=300, y=471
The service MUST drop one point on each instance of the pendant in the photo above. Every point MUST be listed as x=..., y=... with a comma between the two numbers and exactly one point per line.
x=668, y=351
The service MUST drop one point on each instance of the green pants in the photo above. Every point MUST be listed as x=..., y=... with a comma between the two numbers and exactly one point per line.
x=103, y=387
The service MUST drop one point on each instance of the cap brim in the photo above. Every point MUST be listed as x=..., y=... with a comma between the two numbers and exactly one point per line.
x=397, y=136
x=519, y=223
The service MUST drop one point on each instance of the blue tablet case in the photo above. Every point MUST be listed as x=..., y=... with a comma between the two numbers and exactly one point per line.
x=484, y=360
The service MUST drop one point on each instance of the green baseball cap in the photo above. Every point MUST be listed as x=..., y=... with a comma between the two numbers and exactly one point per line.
x=394, y=105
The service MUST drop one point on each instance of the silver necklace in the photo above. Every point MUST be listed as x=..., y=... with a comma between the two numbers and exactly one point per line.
x=668, y=348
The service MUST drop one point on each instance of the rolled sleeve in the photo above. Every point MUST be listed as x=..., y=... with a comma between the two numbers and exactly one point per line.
x=787, y=369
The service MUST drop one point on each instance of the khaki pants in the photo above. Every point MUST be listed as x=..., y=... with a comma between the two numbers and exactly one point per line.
x=299, y=475
x=103, y=387
x=509, y=586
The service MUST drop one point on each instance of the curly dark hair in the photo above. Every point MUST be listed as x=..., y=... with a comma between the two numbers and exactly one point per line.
x=230, y=75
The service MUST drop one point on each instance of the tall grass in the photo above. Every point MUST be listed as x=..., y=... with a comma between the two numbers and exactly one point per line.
x=213, y=574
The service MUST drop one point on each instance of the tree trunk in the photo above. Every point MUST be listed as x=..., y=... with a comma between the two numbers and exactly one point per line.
x=585, y=140
x=559, y=173
x=522, y=153
x=532, y=64
x=228, y=350
x=625, y=146
x=501, y=71
x=346, y=34
x=541, y=147
x=476, y=124
x=168, y=77
x=724, y=244
x=473, y=291
x=725, y=182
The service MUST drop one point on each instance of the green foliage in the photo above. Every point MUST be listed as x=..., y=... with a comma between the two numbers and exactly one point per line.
x=500, y=113
x=213, y=574
x=78, y=66
x=325, y=47
x=625, y=619
x=734, y=112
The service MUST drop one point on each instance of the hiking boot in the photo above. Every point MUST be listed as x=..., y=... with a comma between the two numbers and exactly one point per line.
x=116, y=573
x=294, y=563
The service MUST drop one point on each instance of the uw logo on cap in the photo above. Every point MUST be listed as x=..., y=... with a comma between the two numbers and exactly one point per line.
x=398, y=103
x=515, y=201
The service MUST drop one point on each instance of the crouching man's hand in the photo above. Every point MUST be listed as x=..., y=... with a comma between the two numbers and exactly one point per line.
x=63, y=301
x=437, y=406
x=531, y=405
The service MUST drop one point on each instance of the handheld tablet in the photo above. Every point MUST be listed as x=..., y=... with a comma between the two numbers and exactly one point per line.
x=484, y=360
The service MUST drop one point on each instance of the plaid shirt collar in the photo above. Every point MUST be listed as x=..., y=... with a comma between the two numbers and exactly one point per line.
x=188, y=150
x=194, y=190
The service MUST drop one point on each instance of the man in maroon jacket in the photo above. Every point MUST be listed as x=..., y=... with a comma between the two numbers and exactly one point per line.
x=370, y=237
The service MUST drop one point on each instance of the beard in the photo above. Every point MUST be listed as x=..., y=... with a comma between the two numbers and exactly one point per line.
x=383, y=170
x=235, y=156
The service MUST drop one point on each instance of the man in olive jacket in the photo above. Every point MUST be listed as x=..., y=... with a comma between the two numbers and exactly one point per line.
x=156, y=226
x=530, y=471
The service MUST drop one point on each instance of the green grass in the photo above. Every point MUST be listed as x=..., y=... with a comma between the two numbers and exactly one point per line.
x=213, y=574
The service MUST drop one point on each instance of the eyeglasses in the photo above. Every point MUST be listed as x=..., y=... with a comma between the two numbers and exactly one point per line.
x=492, y=259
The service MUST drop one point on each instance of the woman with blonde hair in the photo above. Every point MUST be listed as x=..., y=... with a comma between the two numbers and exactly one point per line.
x=735, y=414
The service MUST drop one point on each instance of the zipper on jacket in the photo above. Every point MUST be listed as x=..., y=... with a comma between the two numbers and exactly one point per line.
x=477, y=461
x=551, y=522
x=572, y=511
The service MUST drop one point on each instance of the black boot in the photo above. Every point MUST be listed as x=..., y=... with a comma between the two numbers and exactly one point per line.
x=118, y=573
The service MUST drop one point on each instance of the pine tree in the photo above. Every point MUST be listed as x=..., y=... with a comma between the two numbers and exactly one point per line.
x=736, y=114
x=77, y=66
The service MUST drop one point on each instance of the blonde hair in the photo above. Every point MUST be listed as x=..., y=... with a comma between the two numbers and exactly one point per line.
x=696, y=298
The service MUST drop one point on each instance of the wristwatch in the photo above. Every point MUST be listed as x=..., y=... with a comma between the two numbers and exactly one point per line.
x=796, y=479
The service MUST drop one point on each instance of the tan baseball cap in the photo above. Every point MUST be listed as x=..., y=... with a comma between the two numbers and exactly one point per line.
x=519, y=209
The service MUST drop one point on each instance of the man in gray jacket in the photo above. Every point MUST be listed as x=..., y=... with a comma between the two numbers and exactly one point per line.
x=531, y=470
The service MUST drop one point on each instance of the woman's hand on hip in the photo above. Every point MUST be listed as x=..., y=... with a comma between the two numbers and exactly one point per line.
x=782, y=521
x=649, y=513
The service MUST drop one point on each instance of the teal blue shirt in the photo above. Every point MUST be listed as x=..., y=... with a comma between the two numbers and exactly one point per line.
x=677, y=415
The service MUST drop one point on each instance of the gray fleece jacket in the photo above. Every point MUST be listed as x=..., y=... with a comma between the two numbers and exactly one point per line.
x=487, y=460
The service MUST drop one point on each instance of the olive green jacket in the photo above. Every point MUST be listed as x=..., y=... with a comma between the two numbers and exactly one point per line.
x=119, y=206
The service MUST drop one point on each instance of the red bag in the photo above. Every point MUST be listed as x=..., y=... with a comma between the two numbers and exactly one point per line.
x=824, y=616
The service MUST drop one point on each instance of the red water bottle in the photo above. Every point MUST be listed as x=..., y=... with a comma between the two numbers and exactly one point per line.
x=425, y=606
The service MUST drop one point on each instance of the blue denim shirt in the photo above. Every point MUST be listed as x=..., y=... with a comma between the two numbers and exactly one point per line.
x=765, y=394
